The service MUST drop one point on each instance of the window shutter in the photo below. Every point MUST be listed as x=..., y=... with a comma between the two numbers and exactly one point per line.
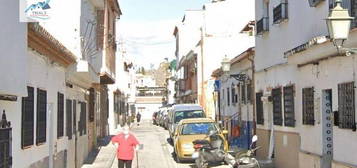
x=69, y=118
x=41, y=116
x=60, y=115
x=289, y=112
x=346, y=105
x=74, y=116
x=27, y=118
x=308, y=106
x=92, y=104
x=277, y=112
x=259, y=108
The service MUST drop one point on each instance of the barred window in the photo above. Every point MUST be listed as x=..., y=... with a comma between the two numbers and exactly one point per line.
x=346, y=105
x=69, y=118
x=308, y=106
x=233, y=95
x=74, y=117
x=41, y=116
x=60, y=115
x=277, y=112
x=27, y=119
x=259, y=108
x=289, y=112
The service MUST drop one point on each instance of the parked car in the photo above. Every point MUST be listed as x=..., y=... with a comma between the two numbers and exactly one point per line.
x=189, y=130
x=179, y=112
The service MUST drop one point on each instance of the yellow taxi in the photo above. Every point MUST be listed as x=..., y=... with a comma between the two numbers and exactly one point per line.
x=189, y=130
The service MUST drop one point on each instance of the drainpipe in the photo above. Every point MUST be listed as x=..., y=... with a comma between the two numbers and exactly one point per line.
x=253, y=96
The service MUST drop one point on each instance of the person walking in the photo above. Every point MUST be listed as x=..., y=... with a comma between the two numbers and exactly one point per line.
x=138, y=118
x=126, y=144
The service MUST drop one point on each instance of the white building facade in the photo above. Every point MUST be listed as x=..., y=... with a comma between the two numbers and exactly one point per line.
x=298, y=74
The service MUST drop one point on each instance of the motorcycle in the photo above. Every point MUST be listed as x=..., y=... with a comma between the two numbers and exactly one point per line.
x=211, y=151
x=245, y=158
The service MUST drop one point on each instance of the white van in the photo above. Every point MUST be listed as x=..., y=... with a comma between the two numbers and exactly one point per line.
x=183, y=111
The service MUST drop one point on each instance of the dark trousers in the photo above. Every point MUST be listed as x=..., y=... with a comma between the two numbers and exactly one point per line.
x=124, y=163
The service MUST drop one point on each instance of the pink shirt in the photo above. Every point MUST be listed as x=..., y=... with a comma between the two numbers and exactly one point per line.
x=126, y=147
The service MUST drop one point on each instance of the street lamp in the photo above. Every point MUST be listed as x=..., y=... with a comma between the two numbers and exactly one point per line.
x=226, y=64
x=338, y=24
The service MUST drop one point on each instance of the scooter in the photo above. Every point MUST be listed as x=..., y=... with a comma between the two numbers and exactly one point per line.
x=245, y=158
x=211, y=151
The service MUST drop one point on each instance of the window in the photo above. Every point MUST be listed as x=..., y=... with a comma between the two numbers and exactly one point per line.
x=259, y=108
x=234, y=101
x=243, y=95
x=308, y=106
x=41, y=116
x=60, y=115
x=27, y=119
x=249, y=93
x=83, y=119
x=289, y=112
x=280, y=12
x=228, y=97
x=92, y=104
x=277, y=114
x=69, y=118
x=263, y=23
x=346, y=105
x=5, y=147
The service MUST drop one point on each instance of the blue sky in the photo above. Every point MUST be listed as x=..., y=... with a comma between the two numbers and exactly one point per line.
x=146, y=28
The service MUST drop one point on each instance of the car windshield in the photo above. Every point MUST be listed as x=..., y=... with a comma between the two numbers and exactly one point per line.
x=198, y=128
x=180, y=115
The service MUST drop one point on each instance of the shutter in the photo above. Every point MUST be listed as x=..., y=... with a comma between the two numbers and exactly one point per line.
x=41, y=116
x=92, y=104
x=69, y=118
x=277, y=113
x=308, y=106
x=27, y=117
x=83, y=118
x=60, y=115
x=228, y=97
x=289, y=112
x=346, y=105
x=259, y=108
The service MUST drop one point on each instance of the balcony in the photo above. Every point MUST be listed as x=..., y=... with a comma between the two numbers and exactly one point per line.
x=262, y=25
x=280, y=13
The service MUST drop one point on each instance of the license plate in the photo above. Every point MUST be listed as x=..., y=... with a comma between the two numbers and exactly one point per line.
x=195, y=155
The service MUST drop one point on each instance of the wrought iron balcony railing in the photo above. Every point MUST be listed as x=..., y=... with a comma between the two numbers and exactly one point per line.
x=280, y=13
x=262, y=25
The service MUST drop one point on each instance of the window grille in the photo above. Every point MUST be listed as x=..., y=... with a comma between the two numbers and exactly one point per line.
x=277, y=113
x=27, y=118
x=60, y=115
x=249, y=93
x=280, y=12
x=41, y=116
x=308, y=106
x=259, y=108
x=69, y=118
x=289, y=112
x=243, y=95
x=346, y=105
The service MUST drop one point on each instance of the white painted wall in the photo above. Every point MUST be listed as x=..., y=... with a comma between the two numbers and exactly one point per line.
x=12, y=57
x=41, y=74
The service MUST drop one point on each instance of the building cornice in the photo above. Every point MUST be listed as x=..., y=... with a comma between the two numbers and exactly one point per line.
x=44, y=43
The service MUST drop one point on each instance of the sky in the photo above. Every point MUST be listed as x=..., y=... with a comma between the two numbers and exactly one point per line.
x=145, y=30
